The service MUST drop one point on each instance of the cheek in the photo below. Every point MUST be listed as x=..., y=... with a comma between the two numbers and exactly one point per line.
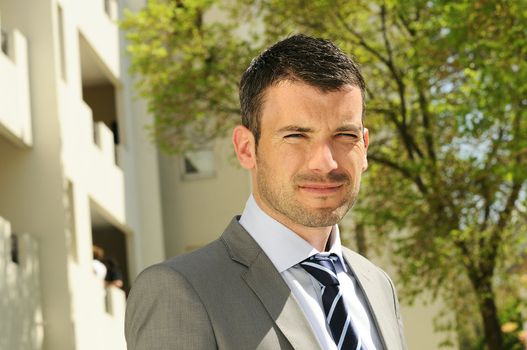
x=352, y=161
x=278, y=162
x=358, y=151
x=289, y=158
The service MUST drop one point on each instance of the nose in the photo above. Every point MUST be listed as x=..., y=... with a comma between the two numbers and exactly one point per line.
x=322, y=158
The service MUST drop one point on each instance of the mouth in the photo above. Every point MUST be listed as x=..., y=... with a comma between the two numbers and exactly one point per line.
x=321, y=188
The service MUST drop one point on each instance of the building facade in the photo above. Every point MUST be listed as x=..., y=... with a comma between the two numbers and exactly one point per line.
x=76, y=170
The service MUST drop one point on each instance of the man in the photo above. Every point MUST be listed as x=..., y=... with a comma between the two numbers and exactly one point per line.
x=278, y=277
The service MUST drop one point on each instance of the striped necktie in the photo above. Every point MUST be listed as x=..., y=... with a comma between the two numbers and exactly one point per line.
x=322, y=268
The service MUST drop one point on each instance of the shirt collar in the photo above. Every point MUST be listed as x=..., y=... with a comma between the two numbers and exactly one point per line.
x=283, y=247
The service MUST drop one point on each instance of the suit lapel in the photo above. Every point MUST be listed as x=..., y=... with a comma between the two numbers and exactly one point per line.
x=274, y=294
x=375, y=296
x=270, y=288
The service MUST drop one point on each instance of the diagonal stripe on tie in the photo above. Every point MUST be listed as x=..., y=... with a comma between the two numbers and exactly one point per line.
x=329, y=314
x=344, y=332
x=322, y=268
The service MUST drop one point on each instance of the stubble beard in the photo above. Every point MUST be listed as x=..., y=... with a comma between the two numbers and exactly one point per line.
x=282, y=199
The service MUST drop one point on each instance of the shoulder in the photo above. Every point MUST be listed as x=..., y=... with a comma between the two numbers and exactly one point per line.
x=180, y=269
x=195, y=259
x=163, y=299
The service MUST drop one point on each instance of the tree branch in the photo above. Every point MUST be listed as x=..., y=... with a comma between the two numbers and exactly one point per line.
x=401, y=89
x=385, y=34
x=426, y=117
x=486, y=189
x=494, y=242
x=406, y=24
x=405, y=172
x=410, y=144
x=360, y=39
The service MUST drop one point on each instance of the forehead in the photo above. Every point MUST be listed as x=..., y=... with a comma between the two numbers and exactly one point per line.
x=298, y=103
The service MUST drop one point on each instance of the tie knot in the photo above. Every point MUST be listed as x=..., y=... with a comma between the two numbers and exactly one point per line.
x=322, y=267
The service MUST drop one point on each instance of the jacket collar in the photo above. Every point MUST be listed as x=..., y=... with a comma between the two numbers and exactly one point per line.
x=380, y=305
x=270, y=288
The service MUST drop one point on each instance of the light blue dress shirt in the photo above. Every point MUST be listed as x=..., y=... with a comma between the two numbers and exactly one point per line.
x=286, y=250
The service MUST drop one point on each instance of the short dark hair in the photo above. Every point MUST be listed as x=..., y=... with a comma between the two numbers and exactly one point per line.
x=317, y=62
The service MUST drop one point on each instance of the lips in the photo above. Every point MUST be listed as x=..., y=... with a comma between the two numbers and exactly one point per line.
x=321, y=188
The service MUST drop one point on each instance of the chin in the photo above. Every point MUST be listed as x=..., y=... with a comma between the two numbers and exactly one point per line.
x=337, y=212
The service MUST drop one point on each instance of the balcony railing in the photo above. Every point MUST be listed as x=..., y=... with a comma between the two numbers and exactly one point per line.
x=97, y=24
x=20, y=309
x=15, y=114
x=89, y=156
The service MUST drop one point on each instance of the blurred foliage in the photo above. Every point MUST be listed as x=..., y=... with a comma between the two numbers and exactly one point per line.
x=446, y=109
x=189, y=69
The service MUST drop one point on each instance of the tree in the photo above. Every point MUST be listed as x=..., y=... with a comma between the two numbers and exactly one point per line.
x=445, y=107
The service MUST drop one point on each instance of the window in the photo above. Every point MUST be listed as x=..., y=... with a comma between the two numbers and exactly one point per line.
x=4, y=41
x=60, y=19
x=71, y=228
x=198, y=164
x=14, y=249
x=110, y=7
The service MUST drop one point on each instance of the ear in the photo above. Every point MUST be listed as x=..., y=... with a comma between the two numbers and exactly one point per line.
x=366, y=143
x=244, y=146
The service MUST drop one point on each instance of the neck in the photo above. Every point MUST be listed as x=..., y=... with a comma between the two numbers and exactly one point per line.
x=316, y=236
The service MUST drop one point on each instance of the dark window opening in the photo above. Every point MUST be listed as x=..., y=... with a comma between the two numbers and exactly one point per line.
x=198, y=164
x=4, y=41
x=62, y=42
x=190, y=168
x=108, y=8
x=110, y=248
x=15, y=257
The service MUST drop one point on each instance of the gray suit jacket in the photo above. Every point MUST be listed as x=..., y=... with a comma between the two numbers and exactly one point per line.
x=228, y=295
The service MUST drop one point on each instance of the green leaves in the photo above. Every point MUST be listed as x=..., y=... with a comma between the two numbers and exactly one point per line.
x=188, y=65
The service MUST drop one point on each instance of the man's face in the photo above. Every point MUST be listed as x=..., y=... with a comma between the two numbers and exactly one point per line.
x=311, y=153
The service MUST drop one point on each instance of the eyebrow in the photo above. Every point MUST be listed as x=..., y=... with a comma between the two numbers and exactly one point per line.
x=297, y=128
x=350, y=127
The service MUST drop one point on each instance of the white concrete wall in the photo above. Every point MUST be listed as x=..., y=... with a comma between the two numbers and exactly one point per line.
x=20, y=307
x=419, y=324
x=197, y=211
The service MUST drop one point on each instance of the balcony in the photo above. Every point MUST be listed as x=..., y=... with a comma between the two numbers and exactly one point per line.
x=15, y=114
x=89, y=156
x=97, y=310
x=97, y=25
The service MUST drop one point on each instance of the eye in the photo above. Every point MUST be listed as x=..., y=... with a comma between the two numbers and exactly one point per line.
x=294, y=136
x=347, y=136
